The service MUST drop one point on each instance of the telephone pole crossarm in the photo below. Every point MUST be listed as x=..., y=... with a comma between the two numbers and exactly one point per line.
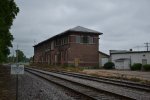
x=147, y=46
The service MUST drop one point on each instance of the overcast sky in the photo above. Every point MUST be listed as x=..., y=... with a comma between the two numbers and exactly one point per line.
x=125, y=23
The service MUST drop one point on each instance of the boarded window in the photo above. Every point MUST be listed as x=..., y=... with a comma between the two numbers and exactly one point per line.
x=77, y=39
x=52, y=45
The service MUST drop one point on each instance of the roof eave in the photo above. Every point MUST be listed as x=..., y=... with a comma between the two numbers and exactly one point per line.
x=99, y=33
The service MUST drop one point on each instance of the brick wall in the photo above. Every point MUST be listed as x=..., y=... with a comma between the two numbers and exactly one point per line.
x=84, y=53
x=87, y=54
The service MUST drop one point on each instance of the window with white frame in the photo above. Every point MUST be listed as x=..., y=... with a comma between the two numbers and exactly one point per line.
x=84, y=39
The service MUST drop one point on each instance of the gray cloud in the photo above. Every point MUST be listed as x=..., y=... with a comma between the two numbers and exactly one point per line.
x=125, y=23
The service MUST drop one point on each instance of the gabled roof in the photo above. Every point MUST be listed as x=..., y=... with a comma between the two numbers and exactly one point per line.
x=83, y=29
x=126, y=52
x=104, y=54
x=75, y=29
x=122, y=59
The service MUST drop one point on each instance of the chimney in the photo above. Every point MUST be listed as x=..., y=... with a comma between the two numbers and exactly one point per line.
x=131, y=50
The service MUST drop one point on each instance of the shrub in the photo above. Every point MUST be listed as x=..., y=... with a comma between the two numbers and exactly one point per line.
x=65, y=65
x=71, y=65
x=136, y=66
x=146, y=67
x=109, y=65
x=96, y=66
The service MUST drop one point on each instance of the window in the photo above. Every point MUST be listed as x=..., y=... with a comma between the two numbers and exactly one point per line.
x=77, y=39
x=84, y=39
x=58, y=42
x=62, y=41
x=91, y=40
x=52, y=45
x=65, y=40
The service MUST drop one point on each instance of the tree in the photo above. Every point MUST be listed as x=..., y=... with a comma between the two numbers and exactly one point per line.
x=20, y=57
x=8, y=12
x=109, y=65
x=31, y=59
x=11, y=59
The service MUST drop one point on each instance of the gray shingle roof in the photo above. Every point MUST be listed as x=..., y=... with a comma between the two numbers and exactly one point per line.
x=126, y=52
x=83, y=29
x=75, y=29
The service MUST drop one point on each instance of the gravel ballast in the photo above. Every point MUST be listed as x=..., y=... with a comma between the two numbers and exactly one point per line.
x=34, y=88
x=138, y=95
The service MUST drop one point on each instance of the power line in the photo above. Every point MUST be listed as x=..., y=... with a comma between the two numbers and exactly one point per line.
x=138, y=47
x=147, y=46
x=34, y=42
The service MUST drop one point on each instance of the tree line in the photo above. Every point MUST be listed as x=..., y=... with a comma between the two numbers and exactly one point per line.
x=8, y=12
x=19, y=57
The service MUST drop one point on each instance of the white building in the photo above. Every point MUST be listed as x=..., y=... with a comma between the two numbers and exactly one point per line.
x=124, y=59
x=103, y=58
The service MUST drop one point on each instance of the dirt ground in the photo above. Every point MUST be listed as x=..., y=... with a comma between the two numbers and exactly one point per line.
x=117, y=73
x=7, y=84
x=136, y=76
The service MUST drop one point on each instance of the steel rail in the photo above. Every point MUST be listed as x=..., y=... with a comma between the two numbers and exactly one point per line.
x=104, y=91
x=128, y=84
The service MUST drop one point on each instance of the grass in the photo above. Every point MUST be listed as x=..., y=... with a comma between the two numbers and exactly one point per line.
x=56, y=67
x=80, y=70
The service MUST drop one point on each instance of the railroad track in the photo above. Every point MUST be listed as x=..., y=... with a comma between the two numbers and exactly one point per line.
x=89, y=92
x=122, y=83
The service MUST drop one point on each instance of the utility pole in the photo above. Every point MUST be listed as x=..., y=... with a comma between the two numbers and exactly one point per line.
x=17, y=74
x=17, y=54
x=147, y=45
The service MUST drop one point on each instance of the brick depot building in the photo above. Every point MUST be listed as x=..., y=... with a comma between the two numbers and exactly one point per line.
x=77, y=46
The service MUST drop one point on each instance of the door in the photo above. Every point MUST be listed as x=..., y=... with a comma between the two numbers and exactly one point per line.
x=119, y=65
x=144, y=61
x=56, y=59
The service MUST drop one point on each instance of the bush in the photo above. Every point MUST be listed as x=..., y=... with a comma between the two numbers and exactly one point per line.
x=71, y=65
x=146, y=67
x=109, y=65
x=65, y=65
x=96, y=66
x=136, y=66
